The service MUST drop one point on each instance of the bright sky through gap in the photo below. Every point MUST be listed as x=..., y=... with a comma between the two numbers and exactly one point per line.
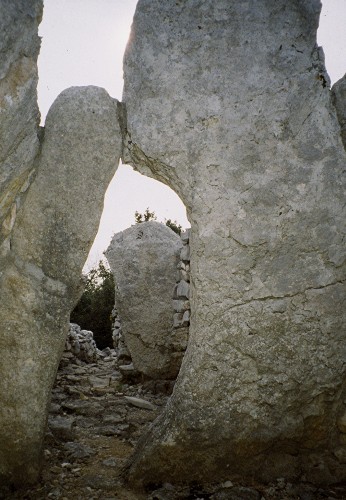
x=83, y=42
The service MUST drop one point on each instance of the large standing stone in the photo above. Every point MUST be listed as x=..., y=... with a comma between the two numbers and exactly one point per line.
x=143, y=260
x=41, y=281
x=19, y=114
x=228, y=102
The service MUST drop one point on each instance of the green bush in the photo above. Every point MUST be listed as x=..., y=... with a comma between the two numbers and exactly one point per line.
x=177, y=228
x=93, y=311
x=145, y=217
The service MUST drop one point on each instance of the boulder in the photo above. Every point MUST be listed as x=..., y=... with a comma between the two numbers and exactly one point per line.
x=40, y=282
x=229, y=103
x=143, y=259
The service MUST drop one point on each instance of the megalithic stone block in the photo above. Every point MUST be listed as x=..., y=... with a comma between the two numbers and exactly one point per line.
x=41, y=279
x=229, y=103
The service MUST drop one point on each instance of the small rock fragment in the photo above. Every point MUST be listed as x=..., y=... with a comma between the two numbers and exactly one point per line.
x=140, y=403
x=61, y=427
x=77, y=450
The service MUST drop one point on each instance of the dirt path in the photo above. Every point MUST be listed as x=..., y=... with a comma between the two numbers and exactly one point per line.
x=93, y=427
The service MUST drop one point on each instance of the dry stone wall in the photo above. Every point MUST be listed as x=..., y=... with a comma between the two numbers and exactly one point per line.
x=181, y=296
x=80, y=344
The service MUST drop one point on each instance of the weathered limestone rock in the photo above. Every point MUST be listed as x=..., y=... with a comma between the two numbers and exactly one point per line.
x=228, y=103
x=339, y=97
x=143, y=260
x=42, y=279
x=19, y=47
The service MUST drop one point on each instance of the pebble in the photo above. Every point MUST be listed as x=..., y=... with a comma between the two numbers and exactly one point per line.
x=55, y=469
x=113, y=419
x=77, y=450
x=227, y=484
x=98, y=381
x=140, y=403
x=61, y=426
x=110, y=462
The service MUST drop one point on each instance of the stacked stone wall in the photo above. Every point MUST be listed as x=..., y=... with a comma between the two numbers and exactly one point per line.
x=181, y=298
x=80, y=344
x=118, y=339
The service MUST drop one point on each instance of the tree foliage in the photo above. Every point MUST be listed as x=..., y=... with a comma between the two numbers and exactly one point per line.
x=147, y=216
x=93, y=311
x=173, y=224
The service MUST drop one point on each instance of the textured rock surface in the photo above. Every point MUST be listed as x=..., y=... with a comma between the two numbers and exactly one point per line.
x=339, y=95
x=228, y=103
x=19, y=47
x=81, y=344
x=143, y=260
x=92, y=430
x=41, y=281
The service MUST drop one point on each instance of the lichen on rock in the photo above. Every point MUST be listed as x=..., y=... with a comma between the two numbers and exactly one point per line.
x=229, y=103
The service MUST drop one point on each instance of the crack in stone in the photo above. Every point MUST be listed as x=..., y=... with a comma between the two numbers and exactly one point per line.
x=274, y=297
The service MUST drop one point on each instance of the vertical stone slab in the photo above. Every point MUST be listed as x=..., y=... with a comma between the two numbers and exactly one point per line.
x=19, y=114
x=42, y=279
x=229, y=103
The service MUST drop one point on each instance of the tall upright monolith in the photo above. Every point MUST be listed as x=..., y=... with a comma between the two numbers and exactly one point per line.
x=229, y=103
x=40, y=280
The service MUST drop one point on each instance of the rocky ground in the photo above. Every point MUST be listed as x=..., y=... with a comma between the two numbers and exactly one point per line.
x=95, y=420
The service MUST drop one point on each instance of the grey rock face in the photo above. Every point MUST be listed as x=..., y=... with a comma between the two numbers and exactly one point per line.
x=42, y=279
x=143, y=260
x=339, y=95
x=228, y=103
x=19, y=47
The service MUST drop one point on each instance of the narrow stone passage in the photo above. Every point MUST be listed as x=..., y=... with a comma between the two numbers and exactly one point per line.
x=95, y=420
x=92, y=429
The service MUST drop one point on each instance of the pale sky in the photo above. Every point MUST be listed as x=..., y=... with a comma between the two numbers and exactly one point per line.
x=83, y=42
